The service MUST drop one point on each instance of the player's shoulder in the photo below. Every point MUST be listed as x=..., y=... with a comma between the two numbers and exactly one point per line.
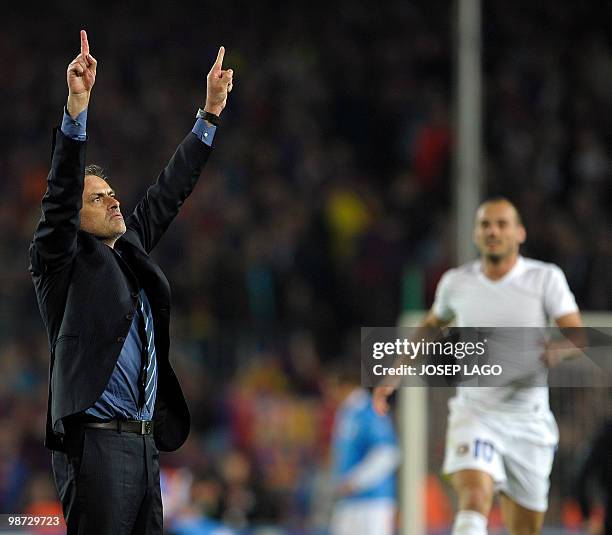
x=469, y=269
x=531, y=265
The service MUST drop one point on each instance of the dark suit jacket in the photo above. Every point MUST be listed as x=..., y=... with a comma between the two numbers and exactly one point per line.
x=85, y=299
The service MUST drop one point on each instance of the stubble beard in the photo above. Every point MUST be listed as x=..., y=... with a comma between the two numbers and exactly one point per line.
x=498, y=258
x=120, y=232
x=494, y=258
x=114, y=230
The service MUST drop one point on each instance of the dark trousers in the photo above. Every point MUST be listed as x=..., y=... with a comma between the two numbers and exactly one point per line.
x=108, y=483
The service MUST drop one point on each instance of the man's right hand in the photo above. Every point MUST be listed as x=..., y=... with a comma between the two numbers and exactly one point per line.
x=81, y=77
x=380, y=397
x=219, y=83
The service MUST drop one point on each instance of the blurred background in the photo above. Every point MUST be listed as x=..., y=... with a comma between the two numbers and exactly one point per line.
x=326, y=206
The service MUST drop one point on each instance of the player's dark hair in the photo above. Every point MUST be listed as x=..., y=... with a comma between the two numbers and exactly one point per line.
x=96, y=170
x=501, y=198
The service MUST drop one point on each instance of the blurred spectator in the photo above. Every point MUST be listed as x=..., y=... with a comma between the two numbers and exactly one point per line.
x=365, y=456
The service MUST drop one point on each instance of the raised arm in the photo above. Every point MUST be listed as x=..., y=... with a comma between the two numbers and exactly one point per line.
x=54, y=241
x=161, y=204
x=81, y=77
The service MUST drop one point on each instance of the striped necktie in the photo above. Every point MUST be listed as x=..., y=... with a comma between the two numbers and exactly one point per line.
x=149, y=379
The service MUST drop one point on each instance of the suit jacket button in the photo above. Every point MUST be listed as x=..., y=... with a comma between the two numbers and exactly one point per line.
x=121, y=339
x=129, y=317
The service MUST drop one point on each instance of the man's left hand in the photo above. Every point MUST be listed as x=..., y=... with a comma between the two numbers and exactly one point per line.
x=219, y=83
x=555, y=352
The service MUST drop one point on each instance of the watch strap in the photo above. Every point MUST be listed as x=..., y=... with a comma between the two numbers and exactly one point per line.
x=207, y=116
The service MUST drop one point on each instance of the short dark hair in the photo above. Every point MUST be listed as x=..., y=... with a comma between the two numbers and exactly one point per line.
x=96, y=170
x=499, y=199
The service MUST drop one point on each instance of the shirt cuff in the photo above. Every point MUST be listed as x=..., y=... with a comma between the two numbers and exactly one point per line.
x=204, y=131
x=75, y=128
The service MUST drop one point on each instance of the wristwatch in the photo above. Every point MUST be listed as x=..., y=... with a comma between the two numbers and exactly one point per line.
x=207, y=116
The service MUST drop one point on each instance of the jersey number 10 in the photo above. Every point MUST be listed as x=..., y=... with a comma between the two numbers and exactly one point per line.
x=484, y=449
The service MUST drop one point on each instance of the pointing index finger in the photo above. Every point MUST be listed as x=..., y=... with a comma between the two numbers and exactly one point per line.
x=219, y=60
x=84, y=43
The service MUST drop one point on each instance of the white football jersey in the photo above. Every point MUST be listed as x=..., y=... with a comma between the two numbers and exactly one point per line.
x=531, y=294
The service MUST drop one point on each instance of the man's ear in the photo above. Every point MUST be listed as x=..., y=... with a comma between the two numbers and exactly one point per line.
x=522, y=235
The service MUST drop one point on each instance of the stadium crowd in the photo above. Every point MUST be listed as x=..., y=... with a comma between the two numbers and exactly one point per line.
x=326, y=204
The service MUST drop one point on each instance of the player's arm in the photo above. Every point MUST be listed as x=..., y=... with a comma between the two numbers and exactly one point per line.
x=54, y=241
x=573, y=319
x=377, y=465
x=560, y=304
x=574, y=338
x=567, y=347
x=380, y=394
x=161, y=203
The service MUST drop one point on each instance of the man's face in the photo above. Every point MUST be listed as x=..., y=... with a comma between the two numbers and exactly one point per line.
x=498, y=232
x=100, y=214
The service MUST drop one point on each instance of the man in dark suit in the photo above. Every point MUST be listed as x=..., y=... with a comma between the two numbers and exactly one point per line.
x=114, y=400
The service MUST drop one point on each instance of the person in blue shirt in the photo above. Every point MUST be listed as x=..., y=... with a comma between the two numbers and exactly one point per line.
x=365, y=456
